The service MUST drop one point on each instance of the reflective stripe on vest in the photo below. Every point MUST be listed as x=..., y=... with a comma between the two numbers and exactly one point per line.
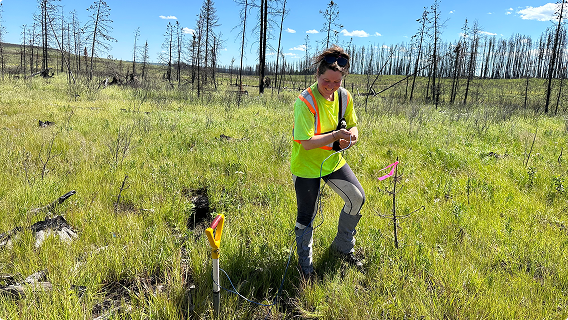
x=307, y=96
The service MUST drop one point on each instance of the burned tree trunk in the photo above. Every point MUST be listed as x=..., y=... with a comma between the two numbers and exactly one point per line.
x=262, y=40
x=278, y=50
x=552, y=63
x=420, y=41
x=472, y=63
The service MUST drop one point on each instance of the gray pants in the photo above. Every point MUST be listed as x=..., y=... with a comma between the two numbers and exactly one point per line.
x=346, y=185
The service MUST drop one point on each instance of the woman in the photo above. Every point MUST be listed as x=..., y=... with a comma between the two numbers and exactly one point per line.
x=317, y=113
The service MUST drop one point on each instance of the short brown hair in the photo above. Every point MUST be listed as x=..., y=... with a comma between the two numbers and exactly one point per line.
x=322, y=66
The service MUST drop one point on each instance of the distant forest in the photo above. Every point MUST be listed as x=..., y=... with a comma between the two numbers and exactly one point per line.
x=474, y=55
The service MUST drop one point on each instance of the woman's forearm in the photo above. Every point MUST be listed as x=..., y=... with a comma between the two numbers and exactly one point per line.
x=320, y=140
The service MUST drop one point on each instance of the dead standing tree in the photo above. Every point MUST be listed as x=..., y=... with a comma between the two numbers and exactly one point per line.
x=32, y=35
x=486, y=56
x=172, y=51
x=62, y=23
x=23, y=51
x=284, y=13
x=331, y=16
x=98, y=30
x=461, y=66
x=48, y=11
x=435, y=33
x=167, y=47
x=145, y=57
x=203, y=46
x=529, y=62
x=77, y=41
x=554, y=54
x=459, y=58
x=472, y=63
x=217, y=43
x=306, y=62
x=179, y=51
x=263, y=29
x=243, y=13
x=197, y=55
x=209, y=19
x=191, y=54
x=419, y=38
x=134, y=51
x=60, y=42
x=2, y=31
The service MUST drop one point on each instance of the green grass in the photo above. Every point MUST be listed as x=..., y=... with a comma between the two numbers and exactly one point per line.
x=489, y=244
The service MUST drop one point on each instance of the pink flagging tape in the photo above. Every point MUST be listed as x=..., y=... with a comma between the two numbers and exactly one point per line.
x=388, y=175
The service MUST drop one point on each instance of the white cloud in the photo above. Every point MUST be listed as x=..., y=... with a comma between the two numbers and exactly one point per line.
x=378, y=34
x=542, y=13
x=451, y=11
x=508, y=13
x=290, y=30
x=485, y=33
x=355, y=33
x=312, y=31
x=489, y=12
x=384, y=46
x=510, y=9
x=291, y=55
x=299, y=48
x=168, y=17
x=187, y=30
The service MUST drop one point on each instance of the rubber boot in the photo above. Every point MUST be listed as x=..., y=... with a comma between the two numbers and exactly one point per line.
x=344, y=241
x=304, y=242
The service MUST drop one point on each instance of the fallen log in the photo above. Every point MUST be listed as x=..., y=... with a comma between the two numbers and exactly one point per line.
x=7, y=238
x=35, y=282
x=54, y=204
x=41, y=231
x=19, y=290
x=47, y=227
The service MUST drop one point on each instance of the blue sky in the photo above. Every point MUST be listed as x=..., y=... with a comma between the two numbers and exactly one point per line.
x=367, y=22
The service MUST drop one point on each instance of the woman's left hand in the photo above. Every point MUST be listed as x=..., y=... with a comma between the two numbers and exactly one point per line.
x=354, y=138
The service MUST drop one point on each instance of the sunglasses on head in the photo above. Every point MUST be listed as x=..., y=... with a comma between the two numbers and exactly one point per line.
x=341, y=61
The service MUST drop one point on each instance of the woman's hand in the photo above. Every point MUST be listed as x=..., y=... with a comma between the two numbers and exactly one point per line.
x=343, y=135
x=347, y=136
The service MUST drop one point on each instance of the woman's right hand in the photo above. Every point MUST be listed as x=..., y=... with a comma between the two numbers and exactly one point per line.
x=343, y=134
x=345, y=137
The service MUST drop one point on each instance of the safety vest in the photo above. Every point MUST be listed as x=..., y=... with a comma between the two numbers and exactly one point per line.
x=307, y=96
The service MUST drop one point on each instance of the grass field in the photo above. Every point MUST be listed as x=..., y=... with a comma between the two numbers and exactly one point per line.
x=490, y=243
